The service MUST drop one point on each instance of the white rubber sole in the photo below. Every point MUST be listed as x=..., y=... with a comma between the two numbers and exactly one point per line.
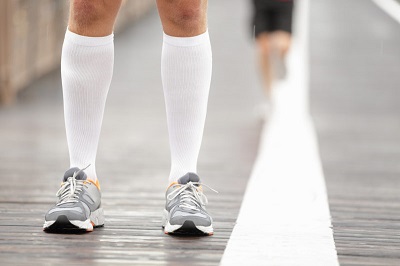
x=96, y=219
x=170, y=229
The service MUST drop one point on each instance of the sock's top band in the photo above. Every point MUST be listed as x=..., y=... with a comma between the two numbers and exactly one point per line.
x=187, y=41
x=88, y=41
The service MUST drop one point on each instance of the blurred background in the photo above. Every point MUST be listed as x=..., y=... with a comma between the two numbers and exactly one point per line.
x=31, y=36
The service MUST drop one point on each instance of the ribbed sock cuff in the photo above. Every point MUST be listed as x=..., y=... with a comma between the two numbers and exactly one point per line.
x=88, y=41
x=187, y=41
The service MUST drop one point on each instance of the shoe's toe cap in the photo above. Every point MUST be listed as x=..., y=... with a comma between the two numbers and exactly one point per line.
x=199, y=218
x=72, y=210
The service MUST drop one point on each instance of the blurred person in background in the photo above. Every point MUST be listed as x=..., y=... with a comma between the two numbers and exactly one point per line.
x=86, y=71
x=272, y=22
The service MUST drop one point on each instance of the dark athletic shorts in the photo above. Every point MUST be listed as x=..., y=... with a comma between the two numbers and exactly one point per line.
x=272, y=15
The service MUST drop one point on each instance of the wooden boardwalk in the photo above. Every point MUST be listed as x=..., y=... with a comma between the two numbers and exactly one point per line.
x=355, y=100
x=354, y=60
x=133, y=159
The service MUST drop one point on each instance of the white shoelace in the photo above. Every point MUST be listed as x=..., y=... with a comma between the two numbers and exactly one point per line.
x=191, y=196
x=70, y=189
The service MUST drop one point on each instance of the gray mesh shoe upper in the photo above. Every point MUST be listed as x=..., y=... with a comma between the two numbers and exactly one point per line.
x=77, y=197
x=186, y=201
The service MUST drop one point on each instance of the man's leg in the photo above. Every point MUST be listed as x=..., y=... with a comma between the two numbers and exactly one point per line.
x=86, y=71
x=281, y=41
x=186, y=75
x=272, y=46
x=264, y=51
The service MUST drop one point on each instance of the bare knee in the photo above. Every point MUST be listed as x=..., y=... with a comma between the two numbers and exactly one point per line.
x=188, y=16
x=93, y=17
x=183, y=17
x=281, y=42
x=283, y=47
x=264, y=45
x=85, y=12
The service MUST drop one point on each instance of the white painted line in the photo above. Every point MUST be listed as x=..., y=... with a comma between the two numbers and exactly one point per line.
x=285, y=218
x=391, y=7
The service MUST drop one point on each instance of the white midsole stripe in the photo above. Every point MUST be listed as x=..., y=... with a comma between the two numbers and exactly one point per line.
x=284, y=218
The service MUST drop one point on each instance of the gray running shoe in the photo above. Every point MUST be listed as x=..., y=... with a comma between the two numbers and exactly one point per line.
x=185, y=211
x=78, y=205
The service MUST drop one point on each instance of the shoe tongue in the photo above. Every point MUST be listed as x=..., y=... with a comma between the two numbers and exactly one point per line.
x=70, y=172
x=189, y=177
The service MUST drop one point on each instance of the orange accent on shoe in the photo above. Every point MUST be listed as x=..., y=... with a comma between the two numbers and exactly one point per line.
x=96, y=183
x=173, y=183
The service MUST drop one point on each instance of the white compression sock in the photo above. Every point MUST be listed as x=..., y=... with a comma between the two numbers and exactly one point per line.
x=186, y=66
x=86, y=71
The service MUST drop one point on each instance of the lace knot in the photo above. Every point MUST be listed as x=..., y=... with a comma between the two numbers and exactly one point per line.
x=191, y=195
x=70, y=189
